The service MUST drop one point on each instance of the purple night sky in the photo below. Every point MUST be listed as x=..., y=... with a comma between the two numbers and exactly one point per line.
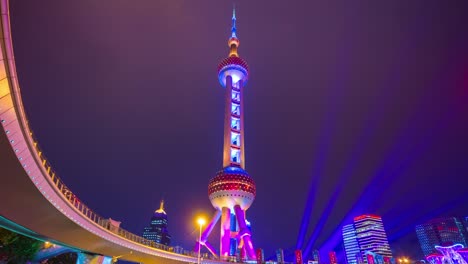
x=352, y=107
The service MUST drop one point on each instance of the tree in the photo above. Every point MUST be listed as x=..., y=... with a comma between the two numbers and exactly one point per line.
x=15, y=248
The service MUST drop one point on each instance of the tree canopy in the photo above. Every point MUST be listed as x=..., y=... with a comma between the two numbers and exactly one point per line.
x=16, y=248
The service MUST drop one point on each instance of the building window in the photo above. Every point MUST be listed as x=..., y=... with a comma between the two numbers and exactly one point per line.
x=235, y=109
x=235, y=155
x=235, y=96
x=235, y=139
x=235, y=123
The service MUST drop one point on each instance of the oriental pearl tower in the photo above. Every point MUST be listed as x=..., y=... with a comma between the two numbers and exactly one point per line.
x=232, y=190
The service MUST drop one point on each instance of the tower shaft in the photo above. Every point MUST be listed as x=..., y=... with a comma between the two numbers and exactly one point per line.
x=233, y=153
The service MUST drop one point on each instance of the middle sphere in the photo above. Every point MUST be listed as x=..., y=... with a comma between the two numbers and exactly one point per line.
x=232, y=186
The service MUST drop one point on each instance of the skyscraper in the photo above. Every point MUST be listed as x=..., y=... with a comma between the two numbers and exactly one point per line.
x=232, y=191
x=157, y=229
x=351, y=244
x=298, y=256
x=316, y=256
x=260, y=256
x=370, y=234
x=441, y=232
x=280, y=256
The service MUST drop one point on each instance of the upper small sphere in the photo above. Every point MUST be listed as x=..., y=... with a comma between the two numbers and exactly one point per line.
x=233, y=41
x=232, y=186
x=235, y=67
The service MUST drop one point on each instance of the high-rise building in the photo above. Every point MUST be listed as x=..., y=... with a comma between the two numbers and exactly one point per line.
x=157, y=229
x=260, y=256
x=298, y=256
x=351, y=244
x=441, y=232
x=280, y=256
x=316, y=256
x=333, y=258
x=371, y=238
x=232, y=191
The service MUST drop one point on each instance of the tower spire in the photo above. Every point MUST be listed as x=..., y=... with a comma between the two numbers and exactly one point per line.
x=233, y=40
x=233, y=29
x=161, y=208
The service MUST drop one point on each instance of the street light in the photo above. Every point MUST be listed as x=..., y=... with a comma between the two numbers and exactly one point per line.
x=116, y=258
x=200, y=222
x=403, y=260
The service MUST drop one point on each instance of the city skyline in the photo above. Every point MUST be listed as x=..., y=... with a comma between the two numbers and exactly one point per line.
x=71, y=114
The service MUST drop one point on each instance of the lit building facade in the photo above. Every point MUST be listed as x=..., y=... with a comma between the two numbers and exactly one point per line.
x=157, y=229
x=316, y=256
x=332, y=257
x=232, y=191
x=298, y=256
x=441, y=231
x=260, y=256
x=351, y=244
x=371, y=239
x=280, y=255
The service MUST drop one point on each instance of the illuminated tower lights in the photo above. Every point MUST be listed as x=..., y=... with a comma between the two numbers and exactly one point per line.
x=232, y=191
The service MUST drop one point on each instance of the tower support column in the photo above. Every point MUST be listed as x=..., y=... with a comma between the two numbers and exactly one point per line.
x=244, y=232
x=225, y=233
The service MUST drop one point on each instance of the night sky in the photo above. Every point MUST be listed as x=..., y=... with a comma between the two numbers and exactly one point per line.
x=352, y=107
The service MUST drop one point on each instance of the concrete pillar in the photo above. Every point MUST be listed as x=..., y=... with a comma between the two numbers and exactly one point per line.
x=85, y=258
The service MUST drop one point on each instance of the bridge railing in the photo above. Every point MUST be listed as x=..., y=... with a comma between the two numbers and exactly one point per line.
x=93, y=216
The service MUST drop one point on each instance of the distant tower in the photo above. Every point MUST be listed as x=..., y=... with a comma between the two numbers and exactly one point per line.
x=157, y=229
x=232, y=191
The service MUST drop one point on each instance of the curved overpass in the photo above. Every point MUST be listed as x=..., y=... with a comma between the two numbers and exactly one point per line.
x=36, y=202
